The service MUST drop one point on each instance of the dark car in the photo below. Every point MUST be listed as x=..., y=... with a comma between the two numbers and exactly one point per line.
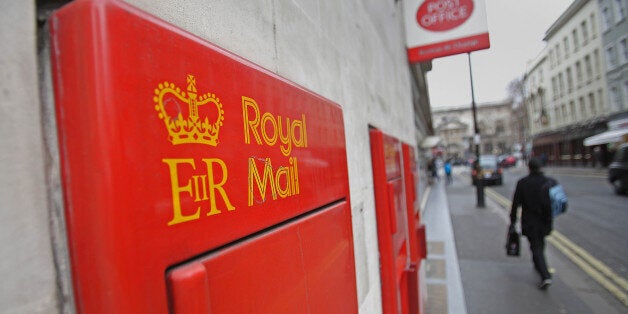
x=491, y=171
x=618, y=170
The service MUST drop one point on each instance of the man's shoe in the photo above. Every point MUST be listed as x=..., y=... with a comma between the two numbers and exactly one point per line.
x=545, y=284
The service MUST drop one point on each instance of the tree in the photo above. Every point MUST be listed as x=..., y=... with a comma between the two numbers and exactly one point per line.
x=516, y=91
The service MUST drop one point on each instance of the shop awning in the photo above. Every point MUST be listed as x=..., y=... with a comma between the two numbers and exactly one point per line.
x=430, y=142
x=611, y=136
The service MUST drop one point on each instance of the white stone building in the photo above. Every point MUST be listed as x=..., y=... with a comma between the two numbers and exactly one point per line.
x=455, y=128
x=566, y=87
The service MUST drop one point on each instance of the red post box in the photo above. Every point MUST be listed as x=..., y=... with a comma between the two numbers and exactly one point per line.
x=398, y=223
x=392, y=221
x=193, y=180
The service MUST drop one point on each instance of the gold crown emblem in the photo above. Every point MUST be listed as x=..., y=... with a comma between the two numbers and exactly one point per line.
x=192, y=129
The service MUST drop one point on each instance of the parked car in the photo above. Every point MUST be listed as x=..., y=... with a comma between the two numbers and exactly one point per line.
x=508, y=161
x=491, y=171
x=618, y=170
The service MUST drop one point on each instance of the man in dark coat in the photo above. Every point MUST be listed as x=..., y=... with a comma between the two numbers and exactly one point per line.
x=536, y=216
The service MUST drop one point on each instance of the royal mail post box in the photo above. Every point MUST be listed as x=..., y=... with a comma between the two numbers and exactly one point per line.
x=392, y=221
x=193, y=180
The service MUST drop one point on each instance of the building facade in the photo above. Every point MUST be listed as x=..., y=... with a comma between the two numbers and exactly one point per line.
x=497, y=132
x=454, y=135
x=614, y=28
x=352, y=53
x=566, y=87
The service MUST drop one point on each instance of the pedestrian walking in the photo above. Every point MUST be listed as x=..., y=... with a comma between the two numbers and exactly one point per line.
x=536, y=216
x=448, y=171
x=432, y=170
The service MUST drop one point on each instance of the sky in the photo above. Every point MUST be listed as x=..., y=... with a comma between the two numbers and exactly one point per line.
x=516, y=30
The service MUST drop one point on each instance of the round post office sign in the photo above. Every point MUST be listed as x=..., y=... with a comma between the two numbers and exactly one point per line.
x=443, y=15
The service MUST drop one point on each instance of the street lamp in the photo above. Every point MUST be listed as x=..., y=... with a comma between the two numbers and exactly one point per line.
x=479, y=185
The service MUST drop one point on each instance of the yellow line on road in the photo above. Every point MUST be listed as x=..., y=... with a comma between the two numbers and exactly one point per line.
x=498, y=198
x=589, y=264
x=579, y=175
x=592, y=260
x=597, y=276
x=576, y=174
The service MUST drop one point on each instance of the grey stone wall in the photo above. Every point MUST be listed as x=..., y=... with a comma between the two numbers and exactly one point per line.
x=27, y=267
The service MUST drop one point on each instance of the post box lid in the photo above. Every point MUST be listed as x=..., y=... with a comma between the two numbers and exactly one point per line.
x=303, y=266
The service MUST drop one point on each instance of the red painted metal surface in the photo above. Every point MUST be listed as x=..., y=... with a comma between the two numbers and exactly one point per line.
x=392, y=223
x=412, y=210
x=250, y=277
x=422, y=239
x=417, y=244
x=171, y=148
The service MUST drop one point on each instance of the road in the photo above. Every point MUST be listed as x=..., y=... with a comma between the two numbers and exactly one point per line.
x=588, y=249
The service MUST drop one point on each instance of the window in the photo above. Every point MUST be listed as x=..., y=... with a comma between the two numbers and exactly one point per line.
x=583, y=109
x=576, y=44
x=585, y=32
x=606, y=19
x=596, y=57
x=502, y=146
x=623, y=105
x=592, y=104
x=482, y=127
x=561, y=84
x=593, y=23
x=551, y=57
x=620, y=10
x=569, y=80
x=536, y=113
x=579, y=73
x=623, y=50
x=611, y=58
x=499, y=127
x=557, y=119
x=624, y=155
x=587, y=64
x=488, y=148
x=557, y=49
x=572, y=110
x=541, y=75
x=554, y=88
x=615, y=97
x=564, y=112
x=600, y=99
x=544, y=118
x=566, y=46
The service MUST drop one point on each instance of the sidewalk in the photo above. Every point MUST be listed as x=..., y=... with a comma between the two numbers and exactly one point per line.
x=493, y=282
x=474, y=275
x=443, y=281
x=467, y=270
